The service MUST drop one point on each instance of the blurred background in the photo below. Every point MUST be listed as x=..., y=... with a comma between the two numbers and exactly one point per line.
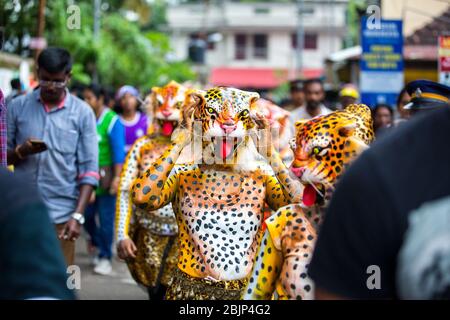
x=258, y=45
x=360, y=50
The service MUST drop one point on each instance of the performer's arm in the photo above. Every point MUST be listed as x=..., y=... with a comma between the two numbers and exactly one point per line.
x=275, y=195
x=291, y=187
x=156, y=187
x=267, y=271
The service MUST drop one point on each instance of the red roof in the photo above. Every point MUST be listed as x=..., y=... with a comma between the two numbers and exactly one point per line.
x=263, y=78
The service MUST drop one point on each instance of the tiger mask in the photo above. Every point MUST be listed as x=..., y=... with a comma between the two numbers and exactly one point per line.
x=324, y=146
x=226, y=124
x=165, y=105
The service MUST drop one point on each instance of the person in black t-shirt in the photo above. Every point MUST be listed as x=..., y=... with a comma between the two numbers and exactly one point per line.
x=359, y=251
x=31, y=261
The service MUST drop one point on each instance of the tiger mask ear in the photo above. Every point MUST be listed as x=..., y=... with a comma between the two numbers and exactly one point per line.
x=299, y=126
x=253, y=97
x=298, y=132
x=186, y=97
x=154, y=97
x=359, y=110
x=150, y=104
x=157, y=90
x=173, y=83
x=346, y=129
x=196, y=101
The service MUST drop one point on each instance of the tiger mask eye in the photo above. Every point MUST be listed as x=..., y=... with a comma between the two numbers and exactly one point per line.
x=319, y=151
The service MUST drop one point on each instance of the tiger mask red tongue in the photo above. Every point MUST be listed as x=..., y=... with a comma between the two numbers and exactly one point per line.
x=167, y=128
x=309, y=195
x=224, y=147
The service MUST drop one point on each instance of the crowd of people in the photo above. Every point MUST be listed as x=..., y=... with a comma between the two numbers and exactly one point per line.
x=88, y=157
x=308, y=99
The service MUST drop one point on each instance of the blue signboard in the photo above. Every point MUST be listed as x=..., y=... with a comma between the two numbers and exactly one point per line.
x=381, y=64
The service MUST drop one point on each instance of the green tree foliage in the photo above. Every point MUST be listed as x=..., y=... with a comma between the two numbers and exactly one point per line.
x=124, y=52
x=356, y=9
x=18, y=18
x=243, y=1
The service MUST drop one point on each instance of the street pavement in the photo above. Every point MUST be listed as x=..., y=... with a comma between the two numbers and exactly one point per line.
x=117, y=286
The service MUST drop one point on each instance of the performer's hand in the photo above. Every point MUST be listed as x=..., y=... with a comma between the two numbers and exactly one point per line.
x=126, y=249
x=71, y=231
x=263, y=141
x=181, y=136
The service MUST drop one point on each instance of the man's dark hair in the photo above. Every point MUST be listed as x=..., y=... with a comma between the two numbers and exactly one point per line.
x=296, y=85
x=309, y=82
x=16, y=84
x=55, y=60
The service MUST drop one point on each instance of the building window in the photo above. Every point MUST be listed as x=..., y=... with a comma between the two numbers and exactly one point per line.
x=260, y=46
x=309, y=41
x=240, y=46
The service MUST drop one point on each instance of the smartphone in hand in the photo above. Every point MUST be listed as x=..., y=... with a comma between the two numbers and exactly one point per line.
x=38, y=145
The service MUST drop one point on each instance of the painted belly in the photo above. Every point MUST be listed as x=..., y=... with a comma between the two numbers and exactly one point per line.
x=221, y=219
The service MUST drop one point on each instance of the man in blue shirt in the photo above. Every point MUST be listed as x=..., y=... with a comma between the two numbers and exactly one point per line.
x=52, y=141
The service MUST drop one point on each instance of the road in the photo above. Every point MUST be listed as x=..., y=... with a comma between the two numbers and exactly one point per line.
x=117, y=286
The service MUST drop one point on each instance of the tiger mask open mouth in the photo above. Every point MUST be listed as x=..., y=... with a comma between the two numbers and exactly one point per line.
x=224, y=114
x=324, y=146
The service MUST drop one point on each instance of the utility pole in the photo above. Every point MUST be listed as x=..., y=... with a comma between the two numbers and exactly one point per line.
x=300, y=40
x=96, y=33
x=203, y=36
x=40, y=27
x=97, y=16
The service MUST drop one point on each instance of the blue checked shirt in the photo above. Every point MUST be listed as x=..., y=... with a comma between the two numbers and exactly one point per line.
x=72, y=156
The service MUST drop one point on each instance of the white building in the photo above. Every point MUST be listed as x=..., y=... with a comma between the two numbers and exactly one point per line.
x=258, y=40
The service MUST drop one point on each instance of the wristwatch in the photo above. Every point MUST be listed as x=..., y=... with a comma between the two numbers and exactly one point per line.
x=78, y=217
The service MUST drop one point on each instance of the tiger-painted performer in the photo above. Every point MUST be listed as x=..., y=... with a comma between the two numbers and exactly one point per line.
x=147, y=238
x=323, y=148
x=218, y=201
